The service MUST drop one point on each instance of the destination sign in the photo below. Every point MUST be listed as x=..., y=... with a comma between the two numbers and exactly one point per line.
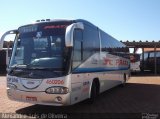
x=55, y=26
x=26, y=29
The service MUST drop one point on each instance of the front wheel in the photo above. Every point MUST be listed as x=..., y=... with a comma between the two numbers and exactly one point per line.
x=124, y=80
x=94, y=93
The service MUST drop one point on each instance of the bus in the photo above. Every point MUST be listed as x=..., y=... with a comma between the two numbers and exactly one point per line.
x=63, y=62
x=135, y=62
x=149, y=61
x=2, y=61
x=5, y=54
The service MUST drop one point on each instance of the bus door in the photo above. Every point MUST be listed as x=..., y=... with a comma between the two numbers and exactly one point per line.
x=77, y=59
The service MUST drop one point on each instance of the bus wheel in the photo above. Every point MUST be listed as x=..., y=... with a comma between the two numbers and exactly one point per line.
x=94, y=93
x=124, y=80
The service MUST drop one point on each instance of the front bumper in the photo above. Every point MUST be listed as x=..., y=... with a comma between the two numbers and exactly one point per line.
x=39, y=97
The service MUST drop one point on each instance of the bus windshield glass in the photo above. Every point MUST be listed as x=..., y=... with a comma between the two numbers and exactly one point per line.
x=40, y=47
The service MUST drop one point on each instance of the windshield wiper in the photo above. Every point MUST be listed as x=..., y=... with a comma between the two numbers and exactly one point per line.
x=38, y=67
x=57, y=71
x=19, y=66
x=12, y=68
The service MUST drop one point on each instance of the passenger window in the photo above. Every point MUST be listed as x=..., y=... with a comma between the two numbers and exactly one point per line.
x=91, y=42
x=158, y=54
x=77, y=48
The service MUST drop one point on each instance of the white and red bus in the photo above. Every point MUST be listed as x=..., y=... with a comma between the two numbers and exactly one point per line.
x=62, y=62
x=135, y=62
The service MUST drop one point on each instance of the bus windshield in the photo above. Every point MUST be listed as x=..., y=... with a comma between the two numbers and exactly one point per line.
x=40, y=49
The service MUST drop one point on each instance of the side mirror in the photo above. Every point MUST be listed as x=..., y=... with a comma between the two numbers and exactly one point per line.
x=70, y=31
x=4, y=35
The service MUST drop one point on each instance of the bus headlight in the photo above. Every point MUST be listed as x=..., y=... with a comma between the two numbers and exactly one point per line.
x=11, y=86
x=57, y=90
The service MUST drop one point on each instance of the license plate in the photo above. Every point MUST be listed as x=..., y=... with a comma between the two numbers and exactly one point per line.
x=29, y=98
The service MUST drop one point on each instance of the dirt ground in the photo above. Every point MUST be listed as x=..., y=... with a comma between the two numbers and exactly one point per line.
x=139, y=98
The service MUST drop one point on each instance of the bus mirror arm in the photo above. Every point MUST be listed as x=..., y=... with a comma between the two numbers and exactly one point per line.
x=4, y=35
x=69, y=33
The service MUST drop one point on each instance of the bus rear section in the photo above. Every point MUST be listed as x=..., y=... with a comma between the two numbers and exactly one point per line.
x=3, y=62
x=63, y=62
x=135, y=62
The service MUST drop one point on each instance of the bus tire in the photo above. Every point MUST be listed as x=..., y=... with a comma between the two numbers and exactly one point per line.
x=124, y=81
x=94, y=92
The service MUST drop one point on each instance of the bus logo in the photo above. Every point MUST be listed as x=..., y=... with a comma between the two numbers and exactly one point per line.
x=30, y=84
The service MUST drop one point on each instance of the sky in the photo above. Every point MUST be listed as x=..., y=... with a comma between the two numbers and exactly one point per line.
x=123, y=19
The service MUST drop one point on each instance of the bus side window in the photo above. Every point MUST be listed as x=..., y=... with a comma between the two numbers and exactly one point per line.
x=77, y=48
